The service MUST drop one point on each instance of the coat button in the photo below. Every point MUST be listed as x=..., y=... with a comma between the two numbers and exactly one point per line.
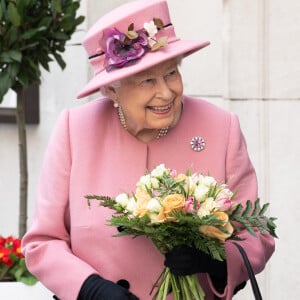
x=124, y=283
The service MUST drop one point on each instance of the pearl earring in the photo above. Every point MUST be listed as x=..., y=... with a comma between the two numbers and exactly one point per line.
x=122, y=117
x=116, y=104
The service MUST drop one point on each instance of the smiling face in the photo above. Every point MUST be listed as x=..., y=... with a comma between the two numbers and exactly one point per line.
x=150, y=100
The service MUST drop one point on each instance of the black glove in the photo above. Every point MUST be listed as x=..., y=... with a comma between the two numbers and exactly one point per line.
x=186, y=260
x=97, y=288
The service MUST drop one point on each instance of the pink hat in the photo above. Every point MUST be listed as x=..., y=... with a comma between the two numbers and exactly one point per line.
x=130, y=39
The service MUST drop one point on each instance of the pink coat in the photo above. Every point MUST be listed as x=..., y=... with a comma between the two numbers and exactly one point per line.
x=90, y=153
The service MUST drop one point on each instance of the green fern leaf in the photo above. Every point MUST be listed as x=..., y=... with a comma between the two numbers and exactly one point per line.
x=247, y=211
x=256, y=208
x=264, y=208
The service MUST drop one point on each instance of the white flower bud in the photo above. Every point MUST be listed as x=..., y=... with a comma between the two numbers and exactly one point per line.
x=154, y=205
x=158, y=171
x=200, y=192
x=209, y=181
x=207, y=207
x=122, y=199
x=131, y=205
x=145, y=181
x=154, y=183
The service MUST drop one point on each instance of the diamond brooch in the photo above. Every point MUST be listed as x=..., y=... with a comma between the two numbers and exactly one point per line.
x=197, y=143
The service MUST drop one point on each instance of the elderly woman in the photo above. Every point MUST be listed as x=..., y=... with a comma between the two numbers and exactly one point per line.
x=104, y=146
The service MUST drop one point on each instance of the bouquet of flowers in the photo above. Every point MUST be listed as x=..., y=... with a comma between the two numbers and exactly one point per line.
x=12, y=262
x=188, y=209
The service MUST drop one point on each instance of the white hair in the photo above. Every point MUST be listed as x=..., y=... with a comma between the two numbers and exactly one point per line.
x=116, y=84
x=105, y=89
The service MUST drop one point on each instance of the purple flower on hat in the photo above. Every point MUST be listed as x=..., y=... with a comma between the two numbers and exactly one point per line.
x=120, y=50
x=123, y=49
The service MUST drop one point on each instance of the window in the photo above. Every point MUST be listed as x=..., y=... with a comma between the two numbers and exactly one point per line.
x=32, y=109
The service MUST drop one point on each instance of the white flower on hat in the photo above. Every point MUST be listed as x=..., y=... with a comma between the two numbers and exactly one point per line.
x=151, y=29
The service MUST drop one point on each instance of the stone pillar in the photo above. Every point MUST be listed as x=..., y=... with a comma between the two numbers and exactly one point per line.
x=262, y=85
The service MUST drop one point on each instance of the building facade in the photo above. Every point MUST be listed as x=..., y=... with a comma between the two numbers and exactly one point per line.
x=252, y=68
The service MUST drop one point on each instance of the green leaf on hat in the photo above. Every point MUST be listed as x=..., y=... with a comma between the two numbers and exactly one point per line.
x=158, y=22
x=161, y=42
x=131, y=34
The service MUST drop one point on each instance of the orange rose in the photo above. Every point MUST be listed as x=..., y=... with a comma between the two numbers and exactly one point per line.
x=158, y=218
x=180, y=177
x=141, y=203
x=171, y=203
x=214, y=232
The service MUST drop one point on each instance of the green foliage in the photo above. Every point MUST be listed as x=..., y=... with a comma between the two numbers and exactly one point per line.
x=167, y=235
x=32, y=34
x=251, y=218
x=20, y=272
x=106, y=201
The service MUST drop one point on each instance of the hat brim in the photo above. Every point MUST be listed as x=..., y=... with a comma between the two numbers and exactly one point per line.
x=150, y=59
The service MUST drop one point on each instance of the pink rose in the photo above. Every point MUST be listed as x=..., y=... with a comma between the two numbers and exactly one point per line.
x=225, y=204
x=173, y=173
x=190, y=207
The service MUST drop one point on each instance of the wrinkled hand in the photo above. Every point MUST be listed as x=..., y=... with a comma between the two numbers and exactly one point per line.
x=97, y=288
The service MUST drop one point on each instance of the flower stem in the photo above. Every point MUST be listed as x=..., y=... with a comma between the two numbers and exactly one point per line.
x=3, y=271
x=175, y=287
x=195, y=287
x=182, y=287
x=164, y=286
x=167, y=284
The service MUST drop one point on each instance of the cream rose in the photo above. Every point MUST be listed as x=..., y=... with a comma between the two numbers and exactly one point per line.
x=122, y=199
x=141, y=203
x=158, y=171
x=154, y=183
x=145, y=181
x=206, y=208
x=200, y=192
x=154, y=206
x=131, y=205
x=158, y=218
x=182, y=177
x=209, y=181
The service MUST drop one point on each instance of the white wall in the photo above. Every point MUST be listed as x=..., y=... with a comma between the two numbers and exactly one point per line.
x=57, y=91
x=252, y=67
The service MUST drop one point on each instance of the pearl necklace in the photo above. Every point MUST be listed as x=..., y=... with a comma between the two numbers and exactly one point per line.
x=162, y=132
